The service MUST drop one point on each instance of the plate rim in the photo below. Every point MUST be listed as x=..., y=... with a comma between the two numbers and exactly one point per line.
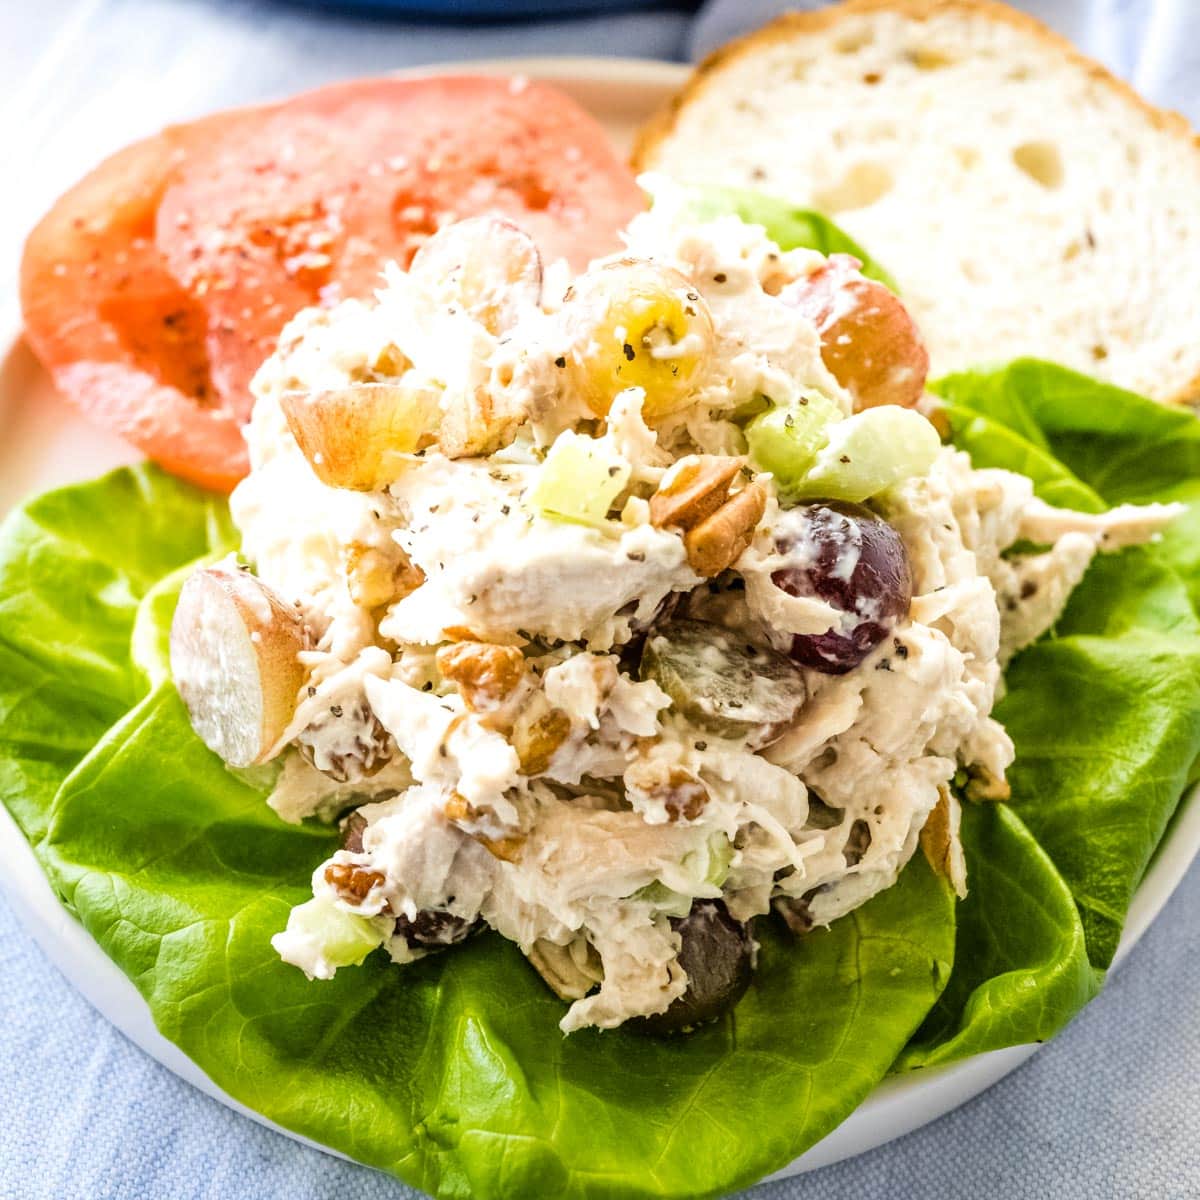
x=898, y=1105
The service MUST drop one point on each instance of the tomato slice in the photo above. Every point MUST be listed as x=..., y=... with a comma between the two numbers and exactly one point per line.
x=118, y=333
x=156, y=287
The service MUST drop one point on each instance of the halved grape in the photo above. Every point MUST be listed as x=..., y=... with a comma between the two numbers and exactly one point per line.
x=868, y=340
x=853, y=560
x=721, y=683
x=359, y=436
x=716, y=952
x=578, y=481
x=486, y=266
x=868, y=453
x=785, y=440
x=235, y=658
x=635, y=323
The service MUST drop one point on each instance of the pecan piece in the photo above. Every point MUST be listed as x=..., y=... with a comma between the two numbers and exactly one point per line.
x=983, y=785
x=486, y=674
x=537, y=737
x=376, y=577
x=719, y=541
x=461, y=812
x=480, y=423
x=352, y=883
x=716, y=526
x=693, y=491
x=680, y=792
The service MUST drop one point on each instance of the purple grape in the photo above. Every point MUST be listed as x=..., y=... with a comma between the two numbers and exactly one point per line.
x=853, y=560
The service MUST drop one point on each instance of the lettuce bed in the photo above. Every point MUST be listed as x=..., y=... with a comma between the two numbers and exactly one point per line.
x=451, y=1073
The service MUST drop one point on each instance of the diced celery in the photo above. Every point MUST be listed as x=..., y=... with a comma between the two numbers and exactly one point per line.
x=343, y=939
x=720, y=855
x=708, y=865
x=579, y=481
x=868, y=453
x=785, y=441
x=673, y=904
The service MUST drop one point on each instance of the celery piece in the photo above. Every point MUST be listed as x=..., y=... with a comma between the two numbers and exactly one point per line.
x=868, y=453
x=343, y=938
x=579, y=481
x=785, y=440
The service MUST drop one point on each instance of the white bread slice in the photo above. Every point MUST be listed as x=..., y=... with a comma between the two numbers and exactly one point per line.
x=1025, y=200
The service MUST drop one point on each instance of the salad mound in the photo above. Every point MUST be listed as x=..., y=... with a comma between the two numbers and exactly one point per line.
x=612, y=612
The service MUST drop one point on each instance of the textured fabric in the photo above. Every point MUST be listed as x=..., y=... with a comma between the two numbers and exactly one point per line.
x=1109, y=1109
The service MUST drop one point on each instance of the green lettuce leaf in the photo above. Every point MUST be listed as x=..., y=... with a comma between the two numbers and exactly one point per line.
x=1023, y=970
x=1104, y=714
x=791, y=228
x=451, y=1072
x=75, y=565
x=1121, y=447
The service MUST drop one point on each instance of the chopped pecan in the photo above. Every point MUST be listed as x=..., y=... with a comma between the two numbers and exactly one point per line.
x=376, y=577
x=463, y=633
x=348, y=743
x=716, y=526
x=352, y=883
x=460, y=811
x=693, y=491
x=486, y=674
x=719, y=541
x=459, y=808
x=680, y=792
x=537, y=737
x=507, y=849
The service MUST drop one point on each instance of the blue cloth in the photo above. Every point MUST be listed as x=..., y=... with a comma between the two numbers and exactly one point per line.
x=1109, y=1109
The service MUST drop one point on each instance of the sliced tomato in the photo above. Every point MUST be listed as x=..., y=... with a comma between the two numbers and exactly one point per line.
x=118, y=333
x=155, y=288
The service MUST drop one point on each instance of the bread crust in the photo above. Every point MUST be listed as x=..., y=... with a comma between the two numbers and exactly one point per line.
x=795, y=25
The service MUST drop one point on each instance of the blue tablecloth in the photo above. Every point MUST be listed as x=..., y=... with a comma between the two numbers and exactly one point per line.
x=1109, y=1109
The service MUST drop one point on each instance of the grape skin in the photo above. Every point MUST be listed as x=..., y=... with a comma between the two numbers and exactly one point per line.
x=853, y=560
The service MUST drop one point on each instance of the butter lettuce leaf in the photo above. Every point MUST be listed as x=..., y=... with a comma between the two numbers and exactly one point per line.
x=451, y=1072
x=1104, y=711
x=1023, y=970
x=74, y=566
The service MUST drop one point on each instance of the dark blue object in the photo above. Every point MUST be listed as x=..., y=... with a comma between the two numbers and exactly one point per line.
x=492, y=9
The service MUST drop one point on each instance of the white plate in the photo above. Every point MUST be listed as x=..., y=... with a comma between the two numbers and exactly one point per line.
x=44, y=443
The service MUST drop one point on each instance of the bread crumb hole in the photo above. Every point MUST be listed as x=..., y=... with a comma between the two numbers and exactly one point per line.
x=971, y=271
x=861, y=186
x=1099, y=353
x=872, y=78
x=967, y=156
x=855, y=40
x=1041, y=162
x=1133, y=156
x=926, y=58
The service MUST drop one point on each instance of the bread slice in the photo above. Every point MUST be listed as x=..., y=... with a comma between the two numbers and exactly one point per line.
x=1025, y=200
